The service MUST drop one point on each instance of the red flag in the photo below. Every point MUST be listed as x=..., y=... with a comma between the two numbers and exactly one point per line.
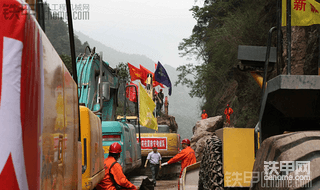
x=155, y=66
x=21, y=97
x=135, y=73
x=144, y=74
x=131, y=92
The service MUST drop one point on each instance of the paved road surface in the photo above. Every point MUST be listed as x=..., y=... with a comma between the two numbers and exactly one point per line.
x=167, y=184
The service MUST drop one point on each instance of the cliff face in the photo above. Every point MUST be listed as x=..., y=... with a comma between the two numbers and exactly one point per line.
x=304, y=50
x=304, y=44
x=242, y=93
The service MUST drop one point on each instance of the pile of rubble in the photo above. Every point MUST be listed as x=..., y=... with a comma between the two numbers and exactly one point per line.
x=168, y=120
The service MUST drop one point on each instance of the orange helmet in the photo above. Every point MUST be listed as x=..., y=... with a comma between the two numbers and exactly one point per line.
x=115, y=148
x=185, y=141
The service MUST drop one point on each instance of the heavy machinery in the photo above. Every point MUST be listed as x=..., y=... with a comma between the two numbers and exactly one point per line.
x=166, y=138
x=56, y=144
x=98, y=90
x=53, y=150
x=168, y=144
x=288, y=129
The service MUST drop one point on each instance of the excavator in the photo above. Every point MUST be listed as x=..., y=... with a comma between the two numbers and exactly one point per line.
x=53, y=135
x=166, y=138
x=282, y=150
x=98, y=87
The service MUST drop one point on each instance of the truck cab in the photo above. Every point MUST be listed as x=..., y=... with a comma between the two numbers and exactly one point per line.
x=124, y=134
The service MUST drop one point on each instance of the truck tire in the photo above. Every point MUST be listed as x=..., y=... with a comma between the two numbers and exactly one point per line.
x=211, y=174
x=295, y=146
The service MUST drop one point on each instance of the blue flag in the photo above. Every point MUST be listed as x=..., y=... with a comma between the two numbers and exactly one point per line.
x=160, y=75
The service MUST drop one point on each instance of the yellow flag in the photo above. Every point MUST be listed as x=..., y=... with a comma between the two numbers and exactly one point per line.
x=146, y=107
x=303, y=12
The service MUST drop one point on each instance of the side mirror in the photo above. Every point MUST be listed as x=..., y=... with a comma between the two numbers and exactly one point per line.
x=105, y=88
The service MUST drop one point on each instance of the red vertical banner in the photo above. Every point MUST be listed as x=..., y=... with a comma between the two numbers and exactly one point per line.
x=21, y=101
x=131, y=92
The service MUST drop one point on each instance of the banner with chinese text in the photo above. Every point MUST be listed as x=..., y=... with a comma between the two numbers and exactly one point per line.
x=303, y=12
x=148, y=142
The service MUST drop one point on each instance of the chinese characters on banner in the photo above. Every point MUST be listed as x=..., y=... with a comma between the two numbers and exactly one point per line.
x=148, y=142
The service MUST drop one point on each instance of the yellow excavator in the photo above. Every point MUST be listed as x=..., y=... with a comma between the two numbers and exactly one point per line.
x=166, y=138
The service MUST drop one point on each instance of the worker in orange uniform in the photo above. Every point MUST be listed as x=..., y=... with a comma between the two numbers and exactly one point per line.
x=113, y=172
x=204, y=115
x=228, y=111
x=187, y=156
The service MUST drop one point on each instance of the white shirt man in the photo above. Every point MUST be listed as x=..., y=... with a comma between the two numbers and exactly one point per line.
x=155, y=162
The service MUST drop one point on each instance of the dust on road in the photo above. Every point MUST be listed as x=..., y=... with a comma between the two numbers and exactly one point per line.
x=167, y=184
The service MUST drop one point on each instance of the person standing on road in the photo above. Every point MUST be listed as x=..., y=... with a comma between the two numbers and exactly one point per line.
x=187, y=156
x=161, y=96
x=228, y=111
x=114, y=178
x=204, y=115
x=155, y=162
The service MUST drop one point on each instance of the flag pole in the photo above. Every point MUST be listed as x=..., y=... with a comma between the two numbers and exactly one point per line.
x=279, y=46
x=289, y=36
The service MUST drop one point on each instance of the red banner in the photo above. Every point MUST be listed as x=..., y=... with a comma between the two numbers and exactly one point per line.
x=148, y=142
x=131, y=92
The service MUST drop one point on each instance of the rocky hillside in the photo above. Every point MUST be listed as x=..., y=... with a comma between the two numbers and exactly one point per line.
x=221, y=27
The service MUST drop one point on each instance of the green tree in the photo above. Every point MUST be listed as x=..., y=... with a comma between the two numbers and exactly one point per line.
x=221, y=27
x=123, y=72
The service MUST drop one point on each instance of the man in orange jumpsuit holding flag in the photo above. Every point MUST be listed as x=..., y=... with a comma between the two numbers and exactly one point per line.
x=113, y=171
x=228, y=111
x=204, y=115
x=187, y=156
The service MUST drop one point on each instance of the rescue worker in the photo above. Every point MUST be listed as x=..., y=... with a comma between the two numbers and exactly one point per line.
x=161, y=96
x=187, y=156
x=159, y=103
x=204, y=115
x=113, y=171
x=155, y=162
x=228, y=111
x=166, y=105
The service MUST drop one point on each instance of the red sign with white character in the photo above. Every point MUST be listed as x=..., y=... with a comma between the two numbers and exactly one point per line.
x=148, y=142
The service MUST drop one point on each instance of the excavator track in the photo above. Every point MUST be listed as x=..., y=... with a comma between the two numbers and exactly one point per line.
x=210, y=174
x=296, y=146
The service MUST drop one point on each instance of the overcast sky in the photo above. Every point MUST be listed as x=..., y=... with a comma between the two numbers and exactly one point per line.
x=148, y=27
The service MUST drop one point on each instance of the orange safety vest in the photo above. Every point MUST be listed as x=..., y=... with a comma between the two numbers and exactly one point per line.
x=119, y=177
x=187, y=156
x=228, y=112
x=204, y=116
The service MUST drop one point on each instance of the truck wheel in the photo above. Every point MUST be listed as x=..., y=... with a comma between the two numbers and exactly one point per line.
x=210, y=174
x=295, y=147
